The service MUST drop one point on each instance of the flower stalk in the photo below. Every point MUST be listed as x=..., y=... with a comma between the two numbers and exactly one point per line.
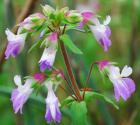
x=69, y=70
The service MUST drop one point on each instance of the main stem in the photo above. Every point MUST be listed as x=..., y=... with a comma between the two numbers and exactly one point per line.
x=69, y=70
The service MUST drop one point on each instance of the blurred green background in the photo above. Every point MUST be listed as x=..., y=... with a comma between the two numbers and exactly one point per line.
x=125, y=26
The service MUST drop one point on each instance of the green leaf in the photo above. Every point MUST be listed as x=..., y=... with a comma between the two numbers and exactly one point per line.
x=90, y=95
x=34, y=45
x=67, y=101
x=79, y=113
x=67, y=41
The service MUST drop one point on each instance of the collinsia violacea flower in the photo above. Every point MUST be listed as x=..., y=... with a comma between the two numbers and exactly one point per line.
x=123, y=85
x=15, y=43
x=32, y=21
x=102, y=32
x=21, y=94
x=54, y=25
x=48, y=57
x=52, y=105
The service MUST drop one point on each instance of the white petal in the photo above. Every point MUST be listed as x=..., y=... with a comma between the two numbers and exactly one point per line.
x=53, y=110
x=28, y=83
x=17, y=80
x=127, y=71
x=49, y=55
x=10, y=36
x=96, y=21
x=107, y=21
x=114, y=72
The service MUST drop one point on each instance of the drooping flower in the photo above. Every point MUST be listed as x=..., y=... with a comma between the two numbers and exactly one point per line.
x=102, y=32
x=21, y=93
x=52, y=106
x=32, y=21
x=15, y=43
x=48, y=57
x=123, y=85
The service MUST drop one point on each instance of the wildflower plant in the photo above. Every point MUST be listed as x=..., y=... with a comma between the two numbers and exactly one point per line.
x=53, y=25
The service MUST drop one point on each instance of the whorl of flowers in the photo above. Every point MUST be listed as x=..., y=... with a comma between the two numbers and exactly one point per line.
x=52, y=26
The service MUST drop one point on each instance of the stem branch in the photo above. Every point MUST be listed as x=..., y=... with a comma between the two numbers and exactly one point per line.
x=69, y=70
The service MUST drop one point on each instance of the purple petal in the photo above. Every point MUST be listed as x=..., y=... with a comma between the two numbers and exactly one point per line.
x=105, y=42
x=121, y=89
x=45, y=65
x=116, y=92
x=58, y=115
x=12, y=50
x=130, y=84
x=14, y=94
x=108, y=31
x=80, y=25
x=48, y=115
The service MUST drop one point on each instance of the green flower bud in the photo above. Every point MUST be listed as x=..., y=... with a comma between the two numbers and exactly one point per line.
x=73, y=17
x=48, y=10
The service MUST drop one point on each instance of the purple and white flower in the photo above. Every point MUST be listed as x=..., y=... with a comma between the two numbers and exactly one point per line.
x=102, y=32
x=52, y=106
x=21, y=94
x=48, y=57
x=15, y=43
x=32, y=20
x=123, y=85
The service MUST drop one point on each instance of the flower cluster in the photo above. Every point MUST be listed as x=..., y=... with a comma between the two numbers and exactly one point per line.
x=49, y=26
x=23, y=91
x=52, y=26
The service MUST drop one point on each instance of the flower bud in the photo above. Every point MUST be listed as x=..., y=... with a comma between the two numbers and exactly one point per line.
x=73, y=17
x=48, y=10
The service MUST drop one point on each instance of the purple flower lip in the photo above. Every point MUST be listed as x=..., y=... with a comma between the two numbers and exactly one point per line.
x=45, y=65
x=12, y=50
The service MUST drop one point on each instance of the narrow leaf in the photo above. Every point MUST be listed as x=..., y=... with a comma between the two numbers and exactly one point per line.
x=91, y=95
x=68, y=42
x=34, y=45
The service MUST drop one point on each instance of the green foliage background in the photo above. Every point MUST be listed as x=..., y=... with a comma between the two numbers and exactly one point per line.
x=125, y=26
